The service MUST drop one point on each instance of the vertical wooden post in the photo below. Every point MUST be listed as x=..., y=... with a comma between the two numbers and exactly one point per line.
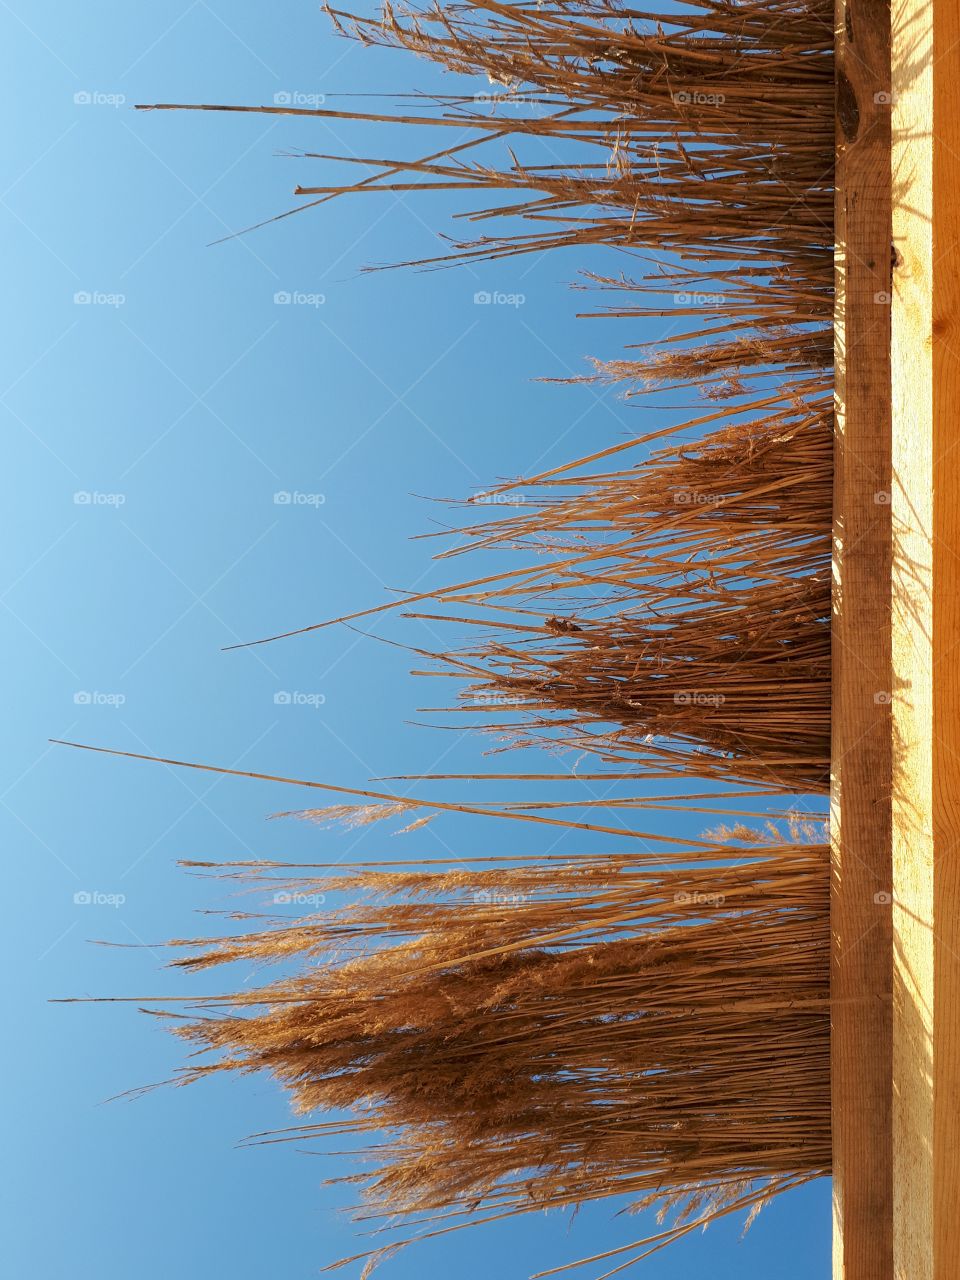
x=896, y=781
x=861, y=965
x=926, y=630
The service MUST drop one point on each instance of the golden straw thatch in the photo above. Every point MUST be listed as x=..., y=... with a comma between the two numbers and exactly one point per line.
x=665, y=1014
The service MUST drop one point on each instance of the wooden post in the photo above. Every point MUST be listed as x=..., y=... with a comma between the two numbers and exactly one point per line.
x=895, y=800
x=926, y=638
x=860, y=801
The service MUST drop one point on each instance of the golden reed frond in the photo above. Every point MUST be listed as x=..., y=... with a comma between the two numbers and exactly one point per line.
x=665, y=1018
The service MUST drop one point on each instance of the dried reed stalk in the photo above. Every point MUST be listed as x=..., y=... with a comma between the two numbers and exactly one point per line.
x=665, y=1017
x=678, y=618
x=704, y=134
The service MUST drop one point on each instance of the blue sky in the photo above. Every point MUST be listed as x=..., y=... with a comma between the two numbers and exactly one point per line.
x=148, y=431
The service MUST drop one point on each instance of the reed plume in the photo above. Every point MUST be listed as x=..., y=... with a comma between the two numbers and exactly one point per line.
x=665, y=1017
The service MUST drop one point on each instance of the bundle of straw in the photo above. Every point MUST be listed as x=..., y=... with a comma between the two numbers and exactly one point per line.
x=680, y=620
x=677, y=614
x=711, y=130
x=665, y=1015
x=665, y=1019
x=703, y=134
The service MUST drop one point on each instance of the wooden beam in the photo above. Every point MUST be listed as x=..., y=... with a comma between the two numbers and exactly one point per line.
x=860, y=802
x=926, y=632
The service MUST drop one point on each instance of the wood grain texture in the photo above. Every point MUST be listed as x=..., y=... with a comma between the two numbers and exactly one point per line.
x=912, y=651
x=861, y=963
x=926, y=634
x=946, y=637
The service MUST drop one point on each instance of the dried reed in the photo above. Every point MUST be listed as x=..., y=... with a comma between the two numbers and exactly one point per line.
x=665, y=1015
x=664, y=1011
x=675, y=617
x=679, y=615
x=666, y=1020
x=708, y=134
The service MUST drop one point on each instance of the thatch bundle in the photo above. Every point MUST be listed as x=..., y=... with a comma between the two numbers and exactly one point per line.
x=702, y=136
x=673, y=618
x=704, y=133
x=665, y=1015
x=678, y=616
x=665, y=1020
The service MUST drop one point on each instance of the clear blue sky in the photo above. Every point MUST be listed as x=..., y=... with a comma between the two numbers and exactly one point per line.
x=194, y=400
